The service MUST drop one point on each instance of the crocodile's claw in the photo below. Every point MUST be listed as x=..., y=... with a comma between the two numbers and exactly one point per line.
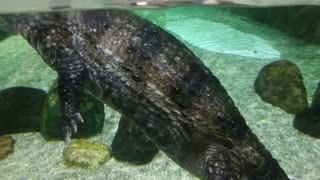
x=67, y=134
x=71, y=123
x=74, y=120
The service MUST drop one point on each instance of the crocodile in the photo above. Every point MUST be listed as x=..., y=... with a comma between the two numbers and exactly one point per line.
x=154, y=81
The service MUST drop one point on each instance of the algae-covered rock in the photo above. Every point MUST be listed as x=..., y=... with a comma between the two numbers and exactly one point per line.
x=6, y=146
x=316, y=98
x=92, y=111
x=141, y=150
x=280, y=83
x=3, y=35
x=85, y=154
x=20, y=109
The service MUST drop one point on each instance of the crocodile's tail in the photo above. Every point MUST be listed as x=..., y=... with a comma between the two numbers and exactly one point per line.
x=277, y=171
x=259, y=163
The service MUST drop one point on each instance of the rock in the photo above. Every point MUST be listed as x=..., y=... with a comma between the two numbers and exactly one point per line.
x=6, y=146
x=308, y=122
x=141, y=150
x=20, y=109
x=92, y=111
x=3, y=35
x=85, y=154
x=4, y=28
x=280, y=83
x=316, y=98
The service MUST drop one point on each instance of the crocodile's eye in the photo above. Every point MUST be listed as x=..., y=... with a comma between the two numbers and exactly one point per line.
x=220, y=117
x=131, y=48
x=174, y=90
x=106, y=25
x=127, y=68
x=136, y=77
x=60, y=50
x=134, y=44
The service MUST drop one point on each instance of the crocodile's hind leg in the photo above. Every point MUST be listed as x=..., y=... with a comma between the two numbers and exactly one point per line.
x=70, y=79
x=220, y=163
x=131, y=145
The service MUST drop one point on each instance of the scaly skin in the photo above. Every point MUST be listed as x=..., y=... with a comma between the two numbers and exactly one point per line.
x=154, y=81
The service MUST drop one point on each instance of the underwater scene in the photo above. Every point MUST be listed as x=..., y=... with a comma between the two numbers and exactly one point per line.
x=186, y=92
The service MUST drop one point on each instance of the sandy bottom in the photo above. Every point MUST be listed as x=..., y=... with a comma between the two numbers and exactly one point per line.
x=298, y=154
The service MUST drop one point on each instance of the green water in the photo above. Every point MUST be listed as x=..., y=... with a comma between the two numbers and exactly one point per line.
x=227, y=51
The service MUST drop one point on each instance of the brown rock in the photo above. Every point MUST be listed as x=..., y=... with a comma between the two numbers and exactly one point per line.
x=6, y=146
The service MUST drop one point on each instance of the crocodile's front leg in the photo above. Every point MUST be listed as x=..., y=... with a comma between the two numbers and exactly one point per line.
x=70, y=78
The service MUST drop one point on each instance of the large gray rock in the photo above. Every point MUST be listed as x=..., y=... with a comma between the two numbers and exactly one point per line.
x=280, y=83
x=20, y=109
x=91, y=109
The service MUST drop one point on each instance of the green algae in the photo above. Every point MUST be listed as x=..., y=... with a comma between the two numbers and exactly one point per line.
x=85, y=154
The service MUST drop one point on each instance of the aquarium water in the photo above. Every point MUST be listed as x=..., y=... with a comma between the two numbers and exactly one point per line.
x=234, y=40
